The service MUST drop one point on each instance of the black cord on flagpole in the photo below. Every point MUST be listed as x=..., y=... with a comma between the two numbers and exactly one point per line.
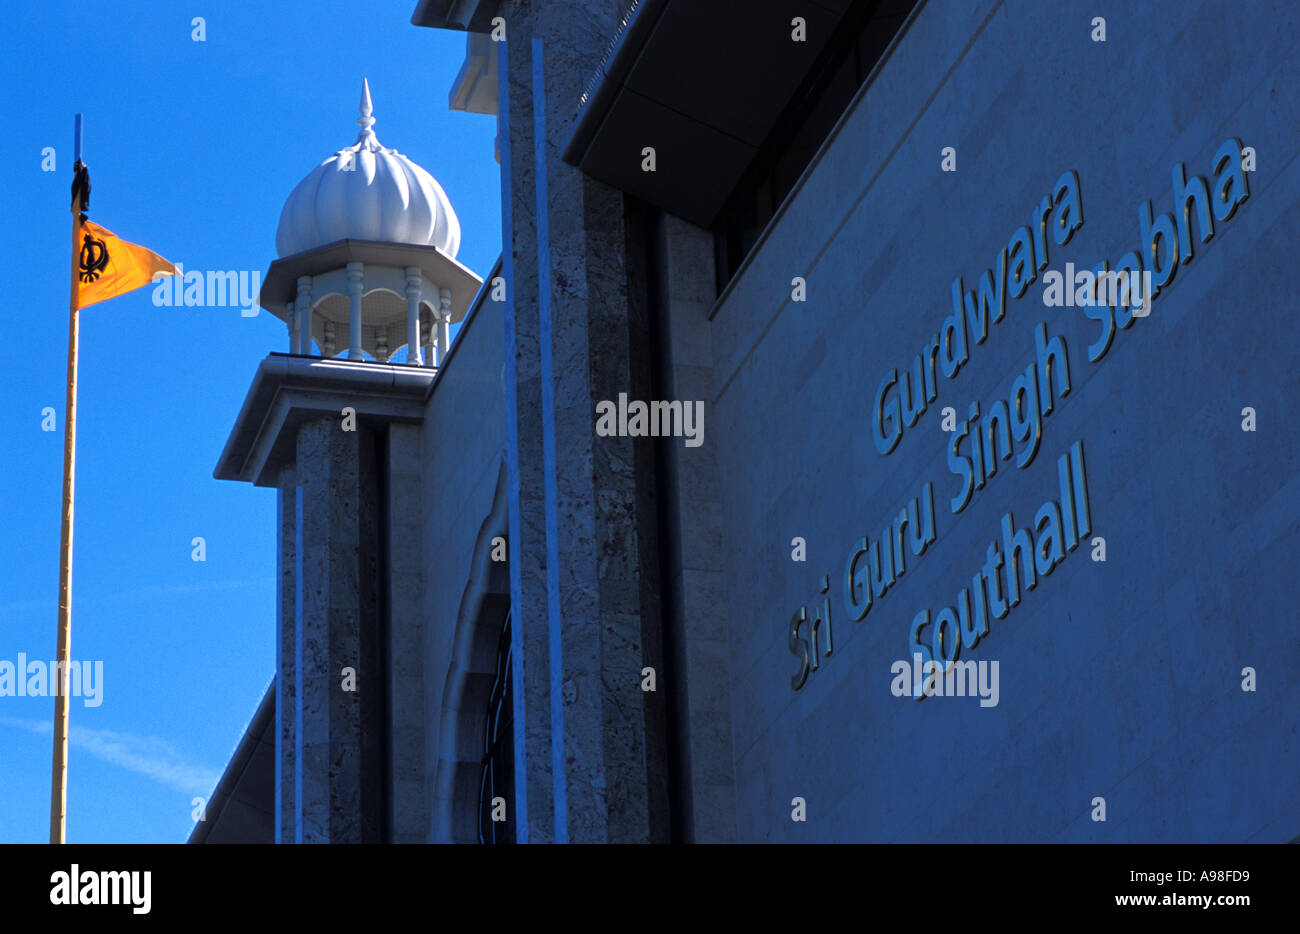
x=81, y=188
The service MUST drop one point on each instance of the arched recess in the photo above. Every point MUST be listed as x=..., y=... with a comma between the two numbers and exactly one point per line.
x=466, y=689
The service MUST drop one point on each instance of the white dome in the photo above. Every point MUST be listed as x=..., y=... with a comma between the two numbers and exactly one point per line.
x=367, y=192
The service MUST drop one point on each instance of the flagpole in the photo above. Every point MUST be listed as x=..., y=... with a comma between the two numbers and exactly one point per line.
x=59, y=777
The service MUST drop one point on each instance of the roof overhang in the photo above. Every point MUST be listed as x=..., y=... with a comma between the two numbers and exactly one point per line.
x=475, y=87
x=290, y=389
x=704, y=86
x=281, y=282
x=241, y=808
x=473, y=15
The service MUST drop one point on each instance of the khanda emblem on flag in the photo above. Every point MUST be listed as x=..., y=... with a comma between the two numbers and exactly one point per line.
x=106, y=265
x=94, y=258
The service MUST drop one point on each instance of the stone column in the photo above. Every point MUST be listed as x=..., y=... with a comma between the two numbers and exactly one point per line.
x=576, y=334
x=340, y=746
x=535, y=754
x=286, y=674
x=693, y=575
x=409, y=799
x=355, y=273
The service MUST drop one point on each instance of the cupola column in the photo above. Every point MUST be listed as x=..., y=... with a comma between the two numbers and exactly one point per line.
x=304, y=314
x=355, y=274
x=444, y=323
x=413, y=280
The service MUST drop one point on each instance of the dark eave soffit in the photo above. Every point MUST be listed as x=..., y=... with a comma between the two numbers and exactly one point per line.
x=469, y=15
x=703, y=82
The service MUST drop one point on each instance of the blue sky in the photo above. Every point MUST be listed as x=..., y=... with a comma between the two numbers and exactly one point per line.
x=193, y=148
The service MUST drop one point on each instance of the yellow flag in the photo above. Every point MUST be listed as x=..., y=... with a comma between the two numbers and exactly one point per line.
x=110, y=266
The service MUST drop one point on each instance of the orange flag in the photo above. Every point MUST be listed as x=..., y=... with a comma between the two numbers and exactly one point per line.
x=110, y=266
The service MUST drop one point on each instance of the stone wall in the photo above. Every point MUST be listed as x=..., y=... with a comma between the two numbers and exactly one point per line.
x=460, y=453
x=1119, y=679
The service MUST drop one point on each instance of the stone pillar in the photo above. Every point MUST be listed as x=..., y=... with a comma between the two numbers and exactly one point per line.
x=337, y=637
x=286, y=674
x=291, y=316
x=535, y=754
x=409, y=800
x=576, y=335
x=693, y=576
x=413, y=283
x=355, y=273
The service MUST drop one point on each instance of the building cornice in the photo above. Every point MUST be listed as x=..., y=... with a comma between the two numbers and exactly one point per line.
x=290, y=389
x=472, y=15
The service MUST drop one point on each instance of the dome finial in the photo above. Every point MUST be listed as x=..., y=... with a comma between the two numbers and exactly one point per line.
x=366, y=120
x=367, y=192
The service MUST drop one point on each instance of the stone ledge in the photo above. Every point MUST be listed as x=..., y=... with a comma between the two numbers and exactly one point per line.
x=289, y=389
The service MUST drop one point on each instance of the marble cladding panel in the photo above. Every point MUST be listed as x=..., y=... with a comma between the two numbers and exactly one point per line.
x=1119, y=679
